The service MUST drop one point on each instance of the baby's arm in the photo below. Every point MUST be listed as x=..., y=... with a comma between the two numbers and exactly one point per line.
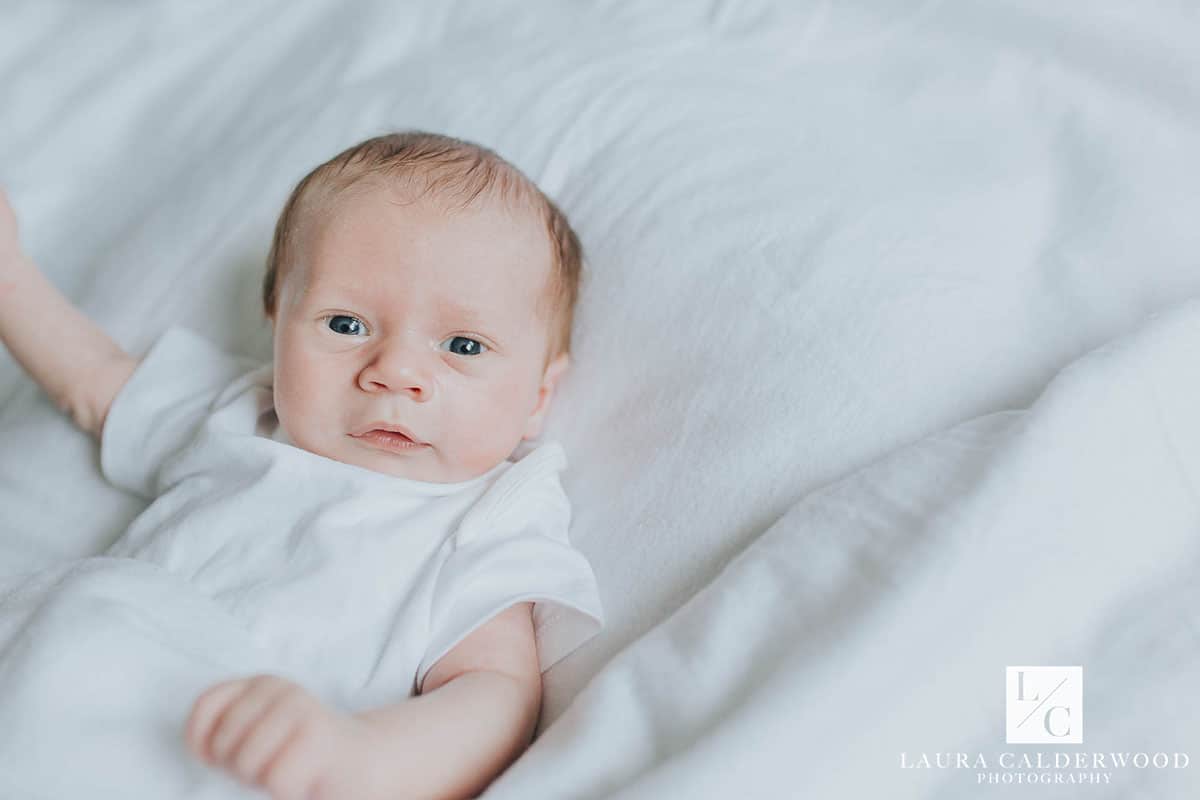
x=77, y=364
x=476, y=713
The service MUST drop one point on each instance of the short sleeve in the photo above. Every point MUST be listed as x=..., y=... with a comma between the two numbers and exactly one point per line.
x=161, y=407
x=510, y=548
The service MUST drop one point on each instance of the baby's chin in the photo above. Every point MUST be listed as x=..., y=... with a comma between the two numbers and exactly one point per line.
x=426, y=463
x=416, y=464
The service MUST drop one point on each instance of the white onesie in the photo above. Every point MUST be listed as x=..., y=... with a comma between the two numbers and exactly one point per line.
x=361, y=581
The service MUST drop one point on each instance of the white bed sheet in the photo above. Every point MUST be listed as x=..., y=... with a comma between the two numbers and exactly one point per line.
x=870, y=629
x=816, y=232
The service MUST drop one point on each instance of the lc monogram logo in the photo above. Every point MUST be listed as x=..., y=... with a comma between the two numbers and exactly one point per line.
x=1044, y=705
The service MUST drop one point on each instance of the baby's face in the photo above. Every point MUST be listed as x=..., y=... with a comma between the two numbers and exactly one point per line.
x=411, y=315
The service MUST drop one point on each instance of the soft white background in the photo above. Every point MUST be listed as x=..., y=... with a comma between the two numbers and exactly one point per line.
x=816, y=231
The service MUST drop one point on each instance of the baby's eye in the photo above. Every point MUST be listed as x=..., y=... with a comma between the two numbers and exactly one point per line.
x=341, y=323
x=464, y=346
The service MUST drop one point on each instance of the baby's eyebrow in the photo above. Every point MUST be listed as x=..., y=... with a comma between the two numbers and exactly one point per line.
x=357, y=293
x=447, y=309
x=475, y=319
x=467, y=313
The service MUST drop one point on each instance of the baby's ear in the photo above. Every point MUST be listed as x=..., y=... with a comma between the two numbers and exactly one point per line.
x=550, y=378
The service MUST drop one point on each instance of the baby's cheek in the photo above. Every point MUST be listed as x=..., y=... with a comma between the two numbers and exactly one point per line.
x=495, y=431
x=292, y=406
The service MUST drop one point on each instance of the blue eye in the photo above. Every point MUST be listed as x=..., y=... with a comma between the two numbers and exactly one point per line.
x=349, y=326
x=470, y=347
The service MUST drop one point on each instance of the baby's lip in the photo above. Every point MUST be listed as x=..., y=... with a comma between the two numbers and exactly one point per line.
x=383, y=425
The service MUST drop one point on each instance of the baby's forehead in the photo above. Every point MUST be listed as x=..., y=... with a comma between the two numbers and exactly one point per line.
x=451, y=193
x=511, y=215
x=488, y=253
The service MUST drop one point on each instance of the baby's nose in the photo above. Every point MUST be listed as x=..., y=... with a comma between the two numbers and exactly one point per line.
x=401, y=364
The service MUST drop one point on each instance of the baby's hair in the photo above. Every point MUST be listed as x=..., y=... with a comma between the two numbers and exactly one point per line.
x=453, y=169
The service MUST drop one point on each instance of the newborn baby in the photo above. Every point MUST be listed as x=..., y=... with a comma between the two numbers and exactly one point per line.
x=361, y=505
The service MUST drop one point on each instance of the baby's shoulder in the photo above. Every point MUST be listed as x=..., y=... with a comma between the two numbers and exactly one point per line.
x=529, y=493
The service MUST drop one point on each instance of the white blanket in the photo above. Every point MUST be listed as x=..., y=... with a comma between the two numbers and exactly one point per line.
x=816, y=232
x=873, y=622
x=869, y=625
x=100, y=661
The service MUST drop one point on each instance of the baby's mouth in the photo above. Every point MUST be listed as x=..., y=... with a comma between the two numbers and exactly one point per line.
x=399, y=434
x=392, y=441
x=387, y=426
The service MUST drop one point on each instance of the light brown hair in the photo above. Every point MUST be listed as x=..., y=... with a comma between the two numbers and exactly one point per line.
x=452, y=169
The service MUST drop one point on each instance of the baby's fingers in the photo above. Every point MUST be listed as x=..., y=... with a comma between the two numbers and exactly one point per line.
x=264, y=745
x=206, y=711
x=241, y=715
x=221, y=715
x=9, y=245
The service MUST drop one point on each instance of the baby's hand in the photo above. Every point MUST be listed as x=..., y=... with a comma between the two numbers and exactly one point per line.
x=271, y=732
x=10, y=242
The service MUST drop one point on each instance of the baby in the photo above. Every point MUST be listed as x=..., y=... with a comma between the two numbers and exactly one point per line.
x=357, y=504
